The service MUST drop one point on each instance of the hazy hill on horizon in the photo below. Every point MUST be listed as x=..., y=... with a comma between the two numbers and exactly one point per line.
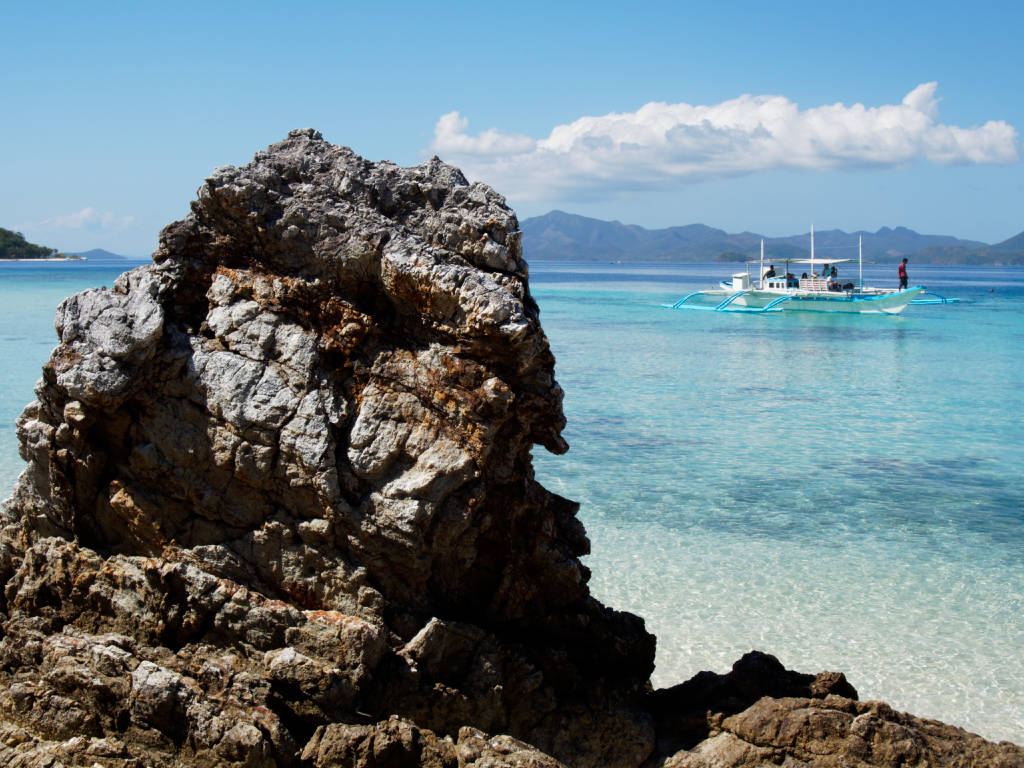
x=100, y=253
x=565, y=236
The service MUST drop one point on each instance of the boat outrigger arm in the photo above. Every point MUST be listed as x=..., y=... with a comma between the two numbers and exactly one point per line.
x=776, y=293
x=936, y=299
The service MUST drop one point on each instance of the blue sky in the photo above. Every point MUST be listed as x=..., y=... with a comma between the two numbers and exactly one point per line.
x=765, y=117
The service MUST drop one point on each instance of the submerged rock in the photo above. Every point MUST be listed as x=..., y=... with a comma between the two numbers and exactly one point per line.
x=280, y=510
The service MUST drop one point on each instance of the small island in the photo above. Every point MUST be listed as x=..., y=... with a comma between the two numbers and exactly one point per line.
x=14, y=247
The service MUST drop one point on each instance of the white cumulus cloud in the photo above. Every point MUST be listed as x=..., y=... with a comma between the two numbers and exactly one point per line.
x=450, y=133
x=88, y=219
x=661, y=143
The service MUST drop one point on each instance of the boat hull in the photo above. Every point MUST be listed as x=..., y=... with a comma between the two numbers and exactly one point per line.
x=818, y=301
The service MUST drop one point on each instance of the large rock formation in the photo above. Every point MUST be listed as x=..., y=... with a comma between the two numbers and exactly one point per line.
x=279, y=510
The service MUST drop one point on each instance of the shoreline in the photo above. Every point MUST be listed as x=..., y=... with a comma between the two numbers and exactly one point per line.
x=43, y=260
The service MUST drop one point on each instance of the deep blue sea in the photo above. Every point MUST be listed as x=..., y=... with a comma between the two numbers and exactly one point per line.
x=844, y=492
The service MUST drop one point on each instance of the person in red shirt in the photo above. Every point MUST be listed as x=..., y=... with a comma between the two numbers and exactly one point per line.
x=902, y=272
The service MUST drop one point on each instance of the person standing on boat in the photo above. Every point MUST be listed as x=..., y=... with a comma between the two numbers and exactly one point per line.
x=902, y=272
x=833, y=279
x=824, y=272
x=770, y=272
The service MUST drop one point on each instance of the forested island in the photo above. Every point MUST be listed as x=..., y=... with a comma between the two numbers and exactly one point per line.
x=13, y=245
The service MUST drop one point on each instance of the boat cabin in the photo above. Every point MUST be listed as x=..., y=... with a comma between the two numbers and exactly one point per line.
x=779, y=283
x=740, y=281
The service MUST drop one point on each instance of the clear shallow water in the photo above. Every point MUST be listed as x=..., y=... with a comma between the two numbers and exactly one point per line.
x=29, y=295
x=842, y=492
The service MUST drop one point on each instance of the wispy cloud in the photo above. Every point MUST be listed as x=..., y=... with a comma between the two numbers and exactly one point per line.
x=661, y=143
x=86, y=219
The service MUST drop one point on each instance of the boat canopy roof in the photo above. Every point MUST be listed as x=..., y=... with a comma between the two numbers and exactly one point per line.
x=816, y=260
x=812, y=262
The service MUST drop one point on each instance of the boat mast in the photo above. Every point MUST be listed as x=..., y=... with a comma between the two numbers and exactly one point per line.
x=812, y=247
x=761, y=273
x=860, y=260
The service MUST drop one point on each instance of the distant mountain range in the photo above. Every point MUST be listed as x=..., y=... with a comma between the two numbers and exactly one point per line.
x=99, y=253
x=565, y=236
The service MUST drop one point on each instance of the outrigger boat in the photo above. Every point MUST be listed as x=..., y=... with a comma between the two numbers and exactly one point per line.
x=775, y=293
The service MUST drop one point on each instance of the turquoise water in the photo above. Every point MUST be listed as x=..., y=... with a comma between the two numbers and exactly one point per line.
x=29, y=294
x=841, y=491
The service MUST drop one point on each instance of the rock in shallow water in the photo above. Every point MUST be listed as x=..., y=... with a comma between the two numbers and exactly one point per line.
x=280, y=507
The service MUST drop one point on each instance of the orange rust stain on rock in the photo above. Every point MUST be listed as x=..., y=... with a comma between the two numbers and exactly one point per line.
x=331, y=617
x=302, y=594
x=228, y=272
x=63, y=358
x=343, y=328
x=277, y=293
x=270, y=605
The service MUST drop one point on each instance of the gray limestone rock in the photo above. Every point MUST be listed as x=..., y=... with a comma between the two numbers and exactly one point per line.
x=278, y=454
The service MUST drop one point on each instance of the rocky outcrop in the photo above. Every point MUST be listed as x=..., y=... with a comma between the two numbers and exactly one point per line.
x=838, y=733
x=279, y=510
